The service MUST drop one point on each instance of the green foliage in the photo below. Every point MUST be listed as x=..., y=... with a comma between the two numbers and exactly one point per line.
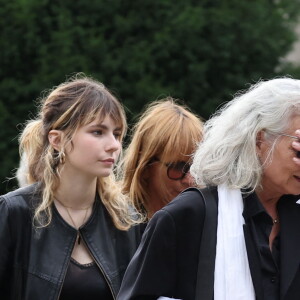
x=290, y=70
x=199, y=51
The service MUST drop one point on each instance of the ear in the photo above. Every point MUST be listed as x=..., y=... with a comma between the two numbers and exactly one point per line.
x=55, y=139
x=260, y=138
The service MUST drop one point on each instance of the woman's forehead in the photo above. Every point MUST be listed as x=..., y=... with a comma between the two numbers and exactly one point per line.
x=176, y=157
x=101, y=117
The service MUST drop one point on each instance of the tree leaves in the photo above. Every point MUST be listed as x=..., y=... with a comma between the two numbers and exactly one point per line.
x=199, y=51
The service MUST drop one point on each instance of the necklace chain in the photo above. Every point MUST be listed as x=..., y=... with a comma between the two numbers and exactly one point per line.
x=72, y=220
x=82, y=208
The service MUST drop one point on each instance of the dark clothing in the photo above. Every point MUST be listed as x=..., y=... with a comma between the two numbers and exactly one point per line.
x=84, y=282
x=260, y=224
x=166, y=261
x=34, y=261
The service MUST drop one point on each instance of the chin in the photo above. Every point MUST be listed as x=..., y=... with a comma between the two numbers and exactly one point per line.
x=105, y=174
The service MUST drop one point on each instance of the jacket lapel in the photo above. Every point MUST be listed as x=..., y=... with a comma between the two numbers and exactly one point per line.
x=289, y=243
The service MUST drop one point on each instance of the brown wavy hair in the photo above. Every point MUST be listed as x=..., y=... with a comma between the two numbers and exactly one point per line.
x=69, y=106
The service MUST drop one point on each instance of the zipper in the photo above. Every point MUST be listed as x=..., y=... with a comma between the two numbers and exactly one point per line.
x=99, y=266
x=65, y=273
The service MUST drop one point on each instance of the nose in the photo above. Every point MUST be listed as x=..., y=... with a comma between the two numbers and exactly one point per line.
x=187, y=180
x=113, y=144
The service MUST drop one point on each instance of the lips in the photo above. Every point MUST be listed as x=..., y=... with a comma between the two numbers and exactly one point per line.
x=108, y=160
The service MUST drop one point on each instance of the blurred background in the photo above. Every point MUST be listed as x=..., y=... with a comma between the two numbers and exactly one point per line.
x=201, y=52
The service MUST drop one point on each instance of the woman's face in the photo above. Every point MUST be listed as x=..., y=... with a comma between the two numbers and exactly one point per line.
x=280, y=176
x=96, y=147
x=160, y=187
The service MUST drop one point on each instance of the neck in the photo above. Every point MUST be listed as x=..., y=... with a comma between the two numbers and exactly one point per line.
x=269, y=202
x=76, y=193
x=155, y=203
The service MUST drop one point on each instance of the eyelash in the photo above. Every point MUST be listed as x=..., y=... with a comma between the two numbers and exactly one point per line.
x=117, y=135
x=100, y=132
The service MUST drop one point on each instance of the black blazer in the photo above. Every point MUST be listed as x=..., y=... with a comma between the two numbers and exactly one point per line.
x=166, y=261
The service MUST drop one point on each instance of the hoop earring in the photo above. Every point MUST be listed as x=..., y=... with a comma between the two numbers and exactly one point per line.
x=62, y=157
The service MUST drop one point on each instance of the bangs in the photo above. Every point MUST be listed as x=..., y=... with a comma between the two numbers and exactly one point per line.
x=181, y=146
x=98, y=108
x=169, y=135
x=100, y=113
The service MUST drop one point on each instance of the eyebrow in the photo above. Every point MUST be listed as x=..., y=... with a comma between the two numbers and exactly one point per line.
x=103, y=127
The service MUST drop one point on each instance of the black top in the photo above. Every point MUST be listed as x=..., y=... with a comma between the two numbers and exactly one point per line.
x=84, y=281
x=260, y=224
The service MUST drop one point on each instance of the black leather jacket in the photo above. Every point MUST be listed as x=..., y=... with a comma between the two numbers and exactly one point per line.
x=34, y=261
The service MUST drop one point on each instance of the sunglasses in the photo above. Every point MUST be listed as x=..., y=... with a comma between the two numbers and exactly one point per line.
x=176, y=170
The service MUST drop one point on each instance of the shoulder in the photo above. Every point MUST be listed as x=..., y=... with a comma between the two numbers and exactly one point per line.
x=21, y=198
x=16, y=211
x=187, y=209
x=190, y=201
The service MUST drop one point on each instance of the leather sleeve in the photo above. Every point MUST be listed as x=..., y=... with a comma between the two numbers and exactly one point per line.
x=152, y=271
x=5, y=246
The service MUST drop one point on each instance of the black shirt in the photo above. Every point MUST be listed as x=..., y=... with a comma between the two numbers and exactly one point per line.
x=84, y=281
x=260, y=224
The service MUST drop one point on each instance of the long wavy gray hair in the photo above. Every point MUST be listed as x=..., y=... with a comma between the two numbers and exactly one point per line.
x=227, y=153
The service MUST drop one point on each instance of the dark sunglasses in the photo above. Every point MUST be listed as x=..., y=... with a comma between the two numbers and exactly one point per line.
x=177, y=170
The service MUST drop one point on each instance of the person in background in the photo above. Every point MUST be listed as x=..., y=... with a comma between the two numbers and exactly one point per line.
x=157, y=161
x=70, y=234
x=247, y=163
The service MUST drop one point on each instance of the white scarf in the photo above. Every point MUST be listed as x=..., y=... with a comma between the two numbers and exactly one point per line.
x=232, y=274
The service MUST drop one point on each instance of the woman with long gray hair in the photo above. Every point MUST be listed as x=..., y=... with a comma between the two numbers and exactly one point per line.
x=246, y=163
